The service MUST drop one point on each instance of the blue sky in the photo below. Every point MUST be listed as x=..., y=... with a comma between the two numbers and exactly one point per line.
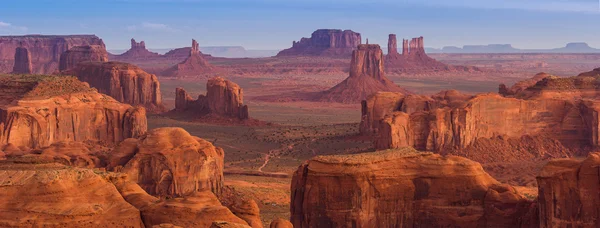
x=274, y=24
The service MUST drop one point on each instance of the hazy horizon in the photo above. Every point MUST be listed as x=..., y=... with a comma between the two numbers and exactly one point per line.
x=273, y=25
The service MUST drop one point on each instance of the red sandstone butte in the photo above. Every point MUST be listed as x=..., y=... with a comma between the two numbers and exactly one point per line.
x=37, y=111
x=76, y=55
x=223, y=98
x=402, y=188
x=45, y=50
x=125, y=82
x=137, y=51
x=22, y=61
x=325, y=42
x=195, y=66
x=367, y=76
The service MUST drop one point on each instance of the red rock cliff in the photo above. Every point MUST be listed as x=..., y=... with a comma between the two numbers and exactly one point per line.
x=125, y=82
x=569, y=193
x=325, y=42
x=401, y=188
x=45, y=50
x=367, y=77
x=37, y=111
x=76, y=55
x=22, y=61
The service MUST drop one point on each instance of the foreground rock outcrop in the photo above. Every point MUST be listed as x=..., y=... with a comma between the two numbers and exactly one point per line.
x=45, y=50
x=569, y=193
x=170, y=162
x=124, y=82
x=403, y=188
x=76, y=55
x=53, y=195
x=223, y=98
x=37, y=111
x=367, y=76
x=325, y=42
x=22, y=61
x=519, y=87
x=194, y=66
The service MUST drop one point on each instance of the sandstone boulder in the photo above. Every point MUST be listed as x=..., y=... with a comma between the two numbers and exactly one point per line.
x=76, y=55
x=125, y=82
x=223, y=98
x=367, y=77
x=401, y=188
x=37, y=111
x=325, y=42
x=52, y=195
x=569, y=193
x=170, y=162
x=22, y=61
x=281, y=223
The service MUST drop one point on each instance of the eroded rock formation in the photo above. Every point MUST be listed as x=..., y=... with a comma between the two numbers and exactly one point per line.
x=194, y=66
x=125, y=82
x=76, y=55
x=402, y=188
x=223, y=98
x=37, y=111
x=325, y=42
x=522, y=85
x=569, y=193
x=414, y=58
x=53, y=195
x=137, y=51
x=22, y=61
x=367, y=77
x=44, y=50
x=170, y=162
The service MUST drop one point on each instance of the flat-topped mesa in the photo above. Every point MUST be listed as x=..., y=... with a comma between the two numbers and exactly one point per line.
x=402, y=188
x=76, y=55
x=124, y=82
x=37, y=111
x=392, y=45
x=137, y=51
x=194, y=66
x=569, y=193
x=325, y=42
x=367, y=77
x=44, y=50
x=22, y=61
x=223, y=99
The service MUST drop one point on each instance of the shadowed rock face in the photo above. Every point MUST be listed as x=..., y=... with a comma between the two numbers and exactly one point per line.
x=401, y=188
x=44, y=50
x=76, y=55
x=22, y=61
x=125, y=82
x=53, y=195
x=170, y=162
x=193, y=66
x=367, y=77
x=37, y=111
x=569, y=193
x=223, y=98
x=325, y=42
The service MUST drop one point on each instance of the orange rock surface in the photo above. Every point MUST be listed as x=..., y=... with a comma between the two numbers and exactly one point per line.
x=125, y=82
x=52, y=195
x=569, y=193
x=37, y=111
x=170, y=162
x=402, y=188
x=367, y=77
x=281, y=223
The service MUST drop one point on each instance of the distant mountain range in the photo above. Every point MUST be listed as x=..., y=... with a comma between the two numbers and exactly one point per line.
x=219, y=51
x=507, y=48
